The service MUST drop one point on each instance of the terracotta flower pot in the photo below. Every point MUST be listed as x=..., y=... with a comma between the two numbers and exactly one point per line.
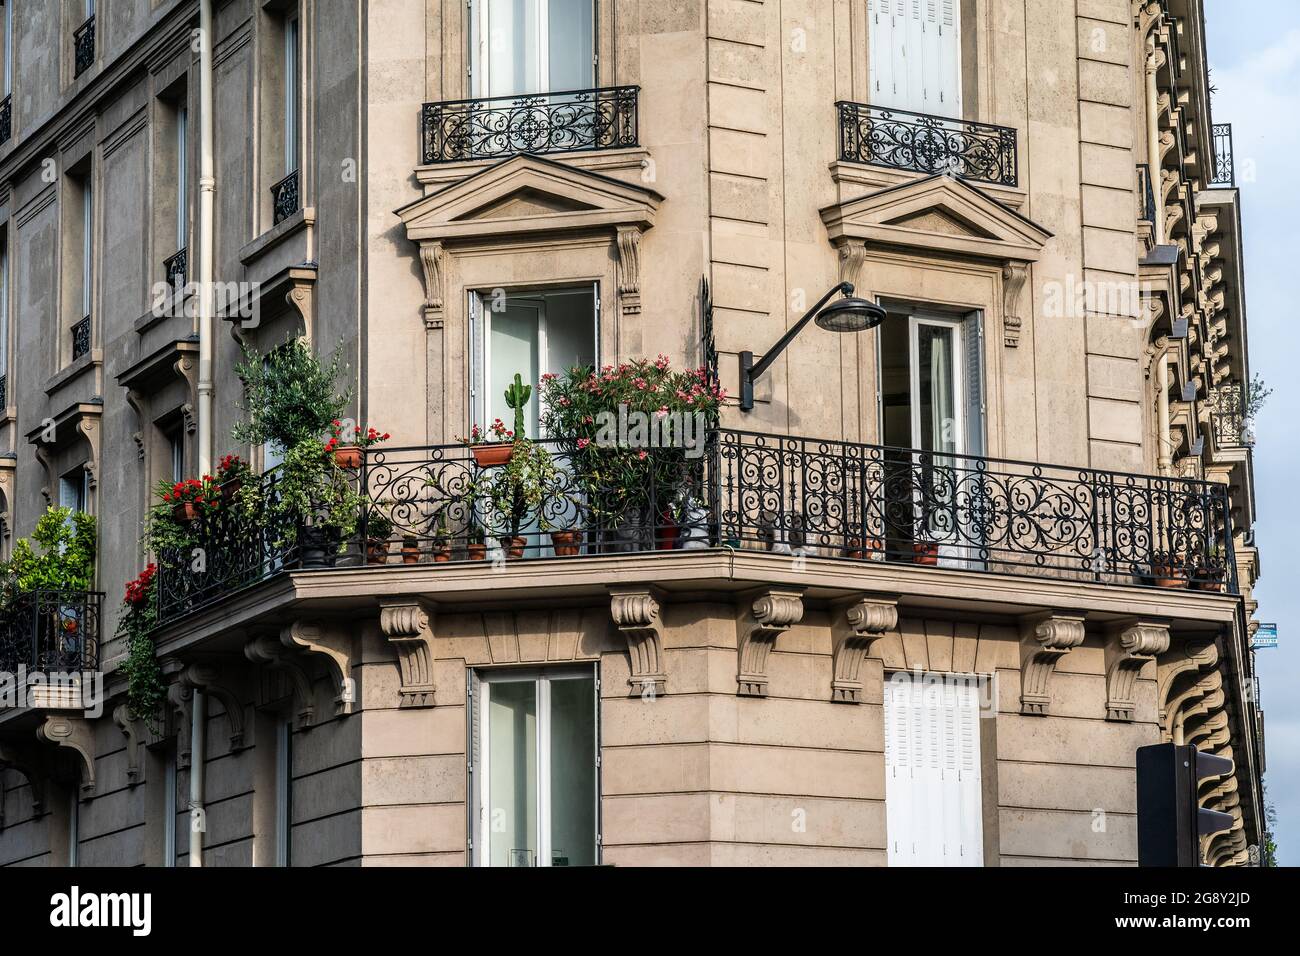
x=567, y=543
x=348, y=456
x=477, y=551
x=1168, y=576
x=185, y=512
x=410, y=551
x=490, y=456
x=441, y=552
x=230, y=490
x=925, y=552
x=377, y=551
x=666, y=533
x=1207, y=580
x=866, y=548
x=514, y=546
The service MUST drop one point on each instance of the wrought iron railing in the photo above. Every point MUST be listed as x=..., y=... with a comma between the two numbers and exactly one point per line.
x=83, y=46
x=4, y=392
x=1146, y=196
x=177, y=268
x=1225, y=172
x=81, y=338
x=901, y=139
x=736, y=490
x=50, y=631
x=1228, y=417
x=563, y=122
x=6, y=119
x=285, y=198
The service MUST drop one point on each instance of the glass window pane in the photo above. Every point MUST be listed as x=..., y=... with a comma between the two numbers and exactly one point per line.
x=570, y=44
x=513, y=346
x=512, y=773
x=938, y=408
x=573, y=772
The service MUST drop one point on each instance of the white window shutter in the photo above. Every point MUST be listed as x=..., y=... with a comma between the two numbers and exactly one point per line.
x=947, y=102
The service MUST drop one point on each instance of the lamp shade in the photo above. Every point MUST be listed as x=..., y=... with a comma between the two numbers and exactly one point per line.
x=850, y=314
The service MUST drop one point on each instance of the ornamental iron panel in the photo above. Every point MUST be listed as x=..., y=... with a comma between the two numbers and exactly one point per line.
x=1225, y=172
x=83, y=44
x=1228, y=416
x=1145, y=194
x=81, y=338
x=6, y=119
x=177, y=268
x=285, y=198
x=503, y=126
x=923, y=143
x=51, y=631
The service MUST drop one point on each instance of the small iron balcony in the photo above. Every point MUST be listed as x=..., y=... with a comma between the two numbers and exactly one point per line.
x=6, y=119
x=285, y=198
x=504, y=126
x=50, y=631
x=81, y=338
x=176, y=267
x=1225, y=171
x=83, y=45
x=922, y=143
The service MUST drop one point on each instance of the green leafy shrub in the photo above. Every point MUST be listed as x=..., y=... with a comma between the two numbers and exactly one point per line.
x=290, y=396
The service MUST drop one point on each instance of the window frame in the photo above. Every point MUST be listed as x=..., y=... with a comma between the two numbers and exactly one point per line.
x=478, y=51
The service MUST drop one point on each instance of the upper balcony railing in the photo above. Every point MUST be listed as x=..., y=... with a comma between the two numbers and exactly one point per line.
x=81, y=338
x=177, y=268
x=6, y=119
x=50, y=631
x=83, y=47
x=740, y=490
x=285, y=198
x=927, y=144
x=1146, y=196
x=1225, y=172
x=1228, y=417
x=502, y=126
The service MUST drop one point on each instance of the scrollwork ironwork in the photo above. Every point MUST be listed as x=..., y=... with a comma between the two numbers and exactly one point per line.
x=901, y=139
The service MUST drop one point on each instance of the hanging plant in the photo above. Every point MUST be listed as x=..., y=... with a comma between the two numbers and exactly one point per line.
x=145, y=692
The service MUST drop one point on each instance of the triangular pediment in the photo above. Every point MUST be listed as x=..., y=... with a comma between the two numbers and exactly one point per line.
x=527, y=195
x=940, y=214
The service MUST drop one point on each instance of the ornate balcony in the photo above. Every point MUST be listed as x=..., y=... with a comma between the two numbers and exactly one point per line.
x=1146, y=197
x=927, y=144
x=81, y=338
x=4, y=392
x=176, y=268
x=6, y=119
x=1225, y=173
x=83, y=45
x=50, y=631
x=542, y=123
x=742, y=491
x=1228, y=417
x=285, y=198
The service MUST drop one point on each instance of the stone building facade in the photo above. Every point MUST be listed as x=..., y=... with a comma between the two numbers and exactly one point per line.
x=1034, y=192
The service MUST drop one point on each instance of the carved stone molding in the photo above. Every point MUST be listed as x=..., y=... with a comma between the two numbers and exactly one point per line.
x=335, y=644
x=629, y=269
x=179, y=695
x=76, y=734
x=1014, y=275
x=1044, y=639
x=863, y=621
x=767, y=617
x=266, y=649
x=207, y=678
x=1177, y=672
x=636, y=615
x=1130, y=646
x=408, y=626
x=852, y=254
x=431, y=258
x=131, y=731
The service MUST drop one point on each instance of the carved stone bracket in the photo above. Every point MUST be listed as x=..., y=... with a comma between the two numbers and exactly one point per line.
x=431, y=259
x=76, y=734
x=852, y=254
x=864, y=621
x=205, y=677
x=1044, y=640
x=769, y=616
x=336, y=645
x=179, y=695
x=1014, y=276
x=266, y=649
x=408, y=626
x=636, y=615
x=1178, y=676
x=131, y=731
x=629, y=269
x=1130, y=646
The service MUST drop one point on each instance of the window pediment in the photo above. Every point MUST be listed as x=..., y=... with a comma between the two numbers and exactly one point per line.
x=940, y=214
x=526, y=195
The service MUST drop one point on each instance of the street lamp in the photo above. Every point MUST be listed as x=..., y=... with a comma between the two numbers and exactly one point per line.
x=849, y=314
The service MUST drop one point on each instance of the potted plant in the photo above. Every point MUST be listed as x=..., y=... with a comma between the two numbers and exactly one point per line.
x=864, y=548
x=566, y=543
x=145, y=691
x=232, y=474
x=1210, y=573
x=348, y=443
x=192, y=498
x=410, y=549
x=379, y=529
x=316, y=502
x=441, y=545
x=1168, y=570
x=59, y=555
x=289, y=395
x=491, y=447
x=517, y=490
x=1257, y=394
x=476, y=544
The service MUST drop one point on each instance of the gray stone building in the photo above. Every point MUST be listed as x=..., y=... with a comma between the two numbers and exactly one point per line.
x=919, y=599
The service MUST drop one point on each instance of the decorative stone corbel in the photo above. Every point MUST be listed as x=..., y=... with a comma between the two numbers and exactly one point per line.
x=1014, y=275
x=205, y=677
x=864, y=621
x=1044, y=639
x=636, y=615
x=431, y=258
x=629, y=270
x=336, y=644
x=1189, y=657
x=408, y=626
x=76, y=734
x=852, y=253
x=179, y=694
x=266, y=649
x=767, y=617
x=131, y=731
x=1130, y=646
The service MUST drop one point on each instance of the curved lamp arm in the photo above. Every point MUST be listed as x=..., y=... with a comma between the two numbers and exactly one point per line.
x=749, y=372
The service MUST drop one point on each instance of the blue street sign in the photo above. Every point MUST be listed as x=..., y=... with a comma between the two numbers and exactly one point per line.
x=1265, y=636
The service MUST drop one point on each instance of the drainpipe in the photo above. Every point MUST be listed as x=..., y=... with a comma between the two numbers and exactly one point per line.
x=198, y=772
x=207, y=189
x=1153, y=140
x=1165, y=463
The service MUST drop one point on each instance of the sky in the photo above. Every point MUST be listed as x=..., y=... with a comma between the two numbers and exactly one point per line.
x=1256, y=73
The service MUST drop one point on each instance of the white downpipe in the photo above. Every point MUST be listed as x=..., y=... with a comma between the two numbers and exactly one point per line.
x=1165, y=463
x=1153, y=143
x=207, y=191
x=198, y=773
